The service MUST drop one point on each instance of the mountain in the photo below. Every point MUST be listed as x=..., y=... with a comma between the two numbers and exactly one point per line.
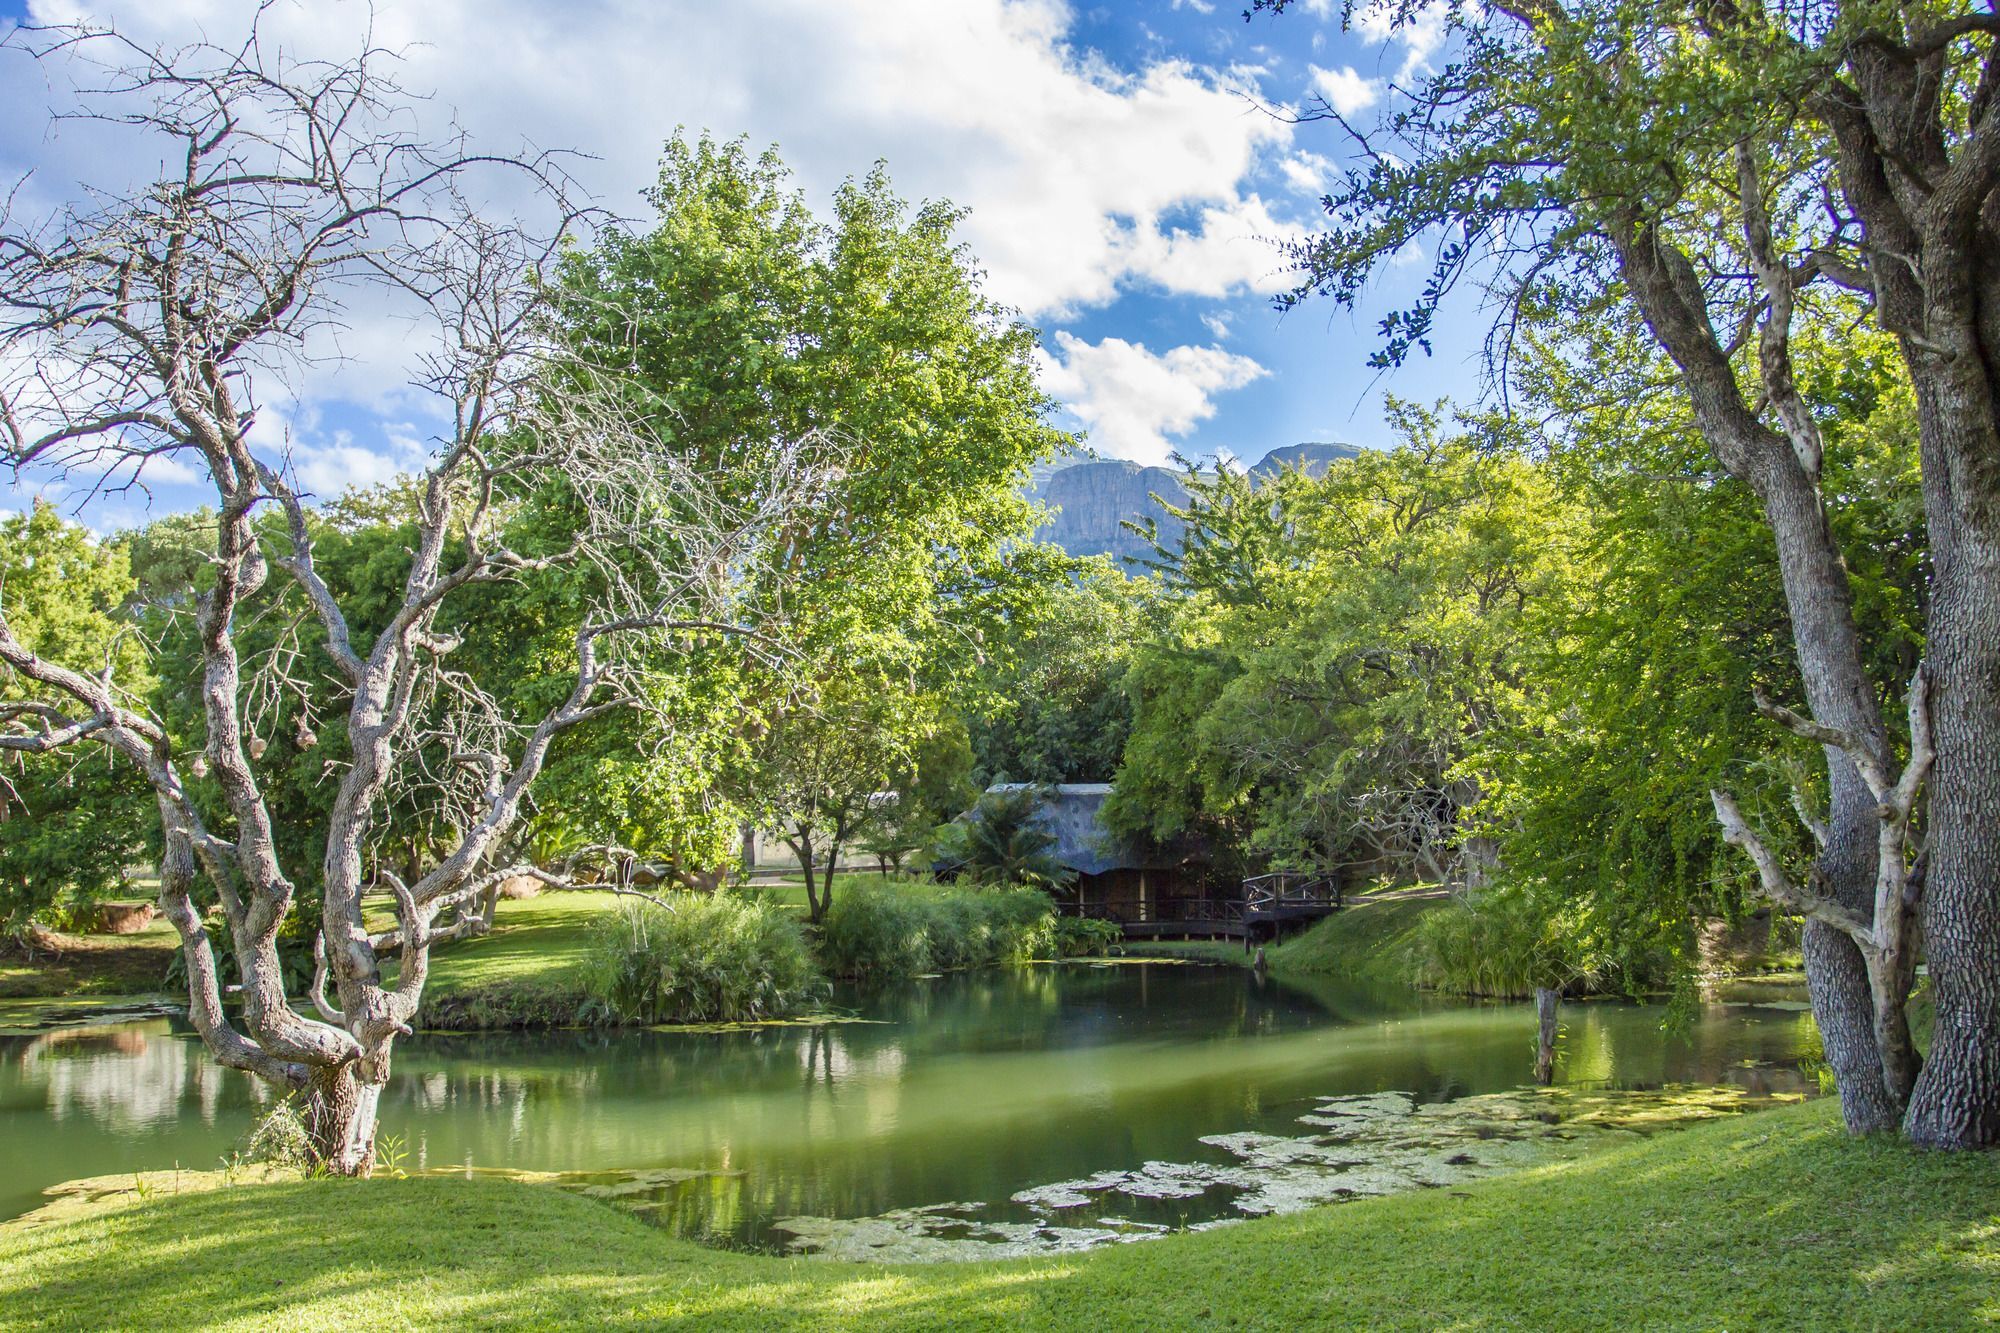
x=1314, y=458
x=1093, y=499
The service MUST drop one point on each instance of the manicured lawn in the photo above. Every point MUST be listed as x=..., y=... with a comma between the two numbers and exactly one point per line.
x=92, y=965
x=1774, y=1220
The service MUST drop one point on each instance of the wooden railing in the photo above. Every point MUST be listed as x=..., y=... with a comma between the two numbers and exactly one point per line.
x=1290, y=888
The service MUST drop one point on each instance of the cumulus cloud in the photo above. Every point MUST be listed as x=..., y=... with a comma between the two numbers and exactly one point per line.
x=1084, y=179
x=1069, y=164
x=1133, y=401
x=1420, y=35
x=1307, y=172
x=1345, y=90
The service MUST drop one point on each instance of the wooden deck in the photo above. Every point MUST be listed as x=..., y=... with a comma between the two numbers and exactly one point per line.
x=1267, y=906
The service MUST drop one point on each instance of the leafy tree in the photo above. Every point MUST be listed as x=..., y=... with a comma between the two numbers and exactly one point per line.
x=1741, y=178
x=69, y=823
x=834, y=769
x=1345, y=642
x=1050, y=702
x=743, y=317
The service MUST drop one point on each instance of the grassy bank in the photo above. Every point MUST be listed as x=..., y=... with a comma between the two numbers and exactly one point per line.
x=1368, y=940
x=90, y=965
x=1773, y=1220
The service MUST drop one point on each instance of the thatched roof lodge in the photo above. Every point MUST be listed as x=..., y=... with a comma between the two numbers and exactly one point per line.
x=1115, y=876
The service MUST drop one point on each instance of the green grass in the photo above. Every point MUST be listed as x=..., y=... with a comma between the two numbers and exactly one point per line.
x=1367, y=940
x=91, y=965
x=1773, y=1220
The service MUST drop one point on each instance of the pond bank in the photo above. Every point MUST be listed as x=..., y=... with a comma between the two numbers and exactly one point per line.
x=1774, y=1219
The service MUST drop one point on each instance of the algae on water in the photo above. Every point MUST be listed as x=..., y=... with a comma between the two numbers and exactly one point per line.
x=1360, y=1146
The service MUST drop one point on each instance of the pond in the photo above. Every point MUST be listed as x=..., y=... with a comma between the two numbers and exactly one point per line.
x=1046, y=1107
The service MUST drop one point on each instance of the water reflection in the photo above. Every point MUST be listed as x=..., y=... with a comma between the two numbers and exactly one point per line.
x=964, y=1088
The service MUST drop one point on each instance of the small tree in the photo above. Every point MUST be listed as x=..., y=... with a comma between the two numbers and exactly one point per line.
x=135, y=328
x=832, y=770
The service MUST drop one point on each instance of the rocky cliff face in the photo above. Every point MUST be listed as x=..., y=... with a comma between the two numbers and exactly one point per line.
x=1092, y=500
x=1314, y=458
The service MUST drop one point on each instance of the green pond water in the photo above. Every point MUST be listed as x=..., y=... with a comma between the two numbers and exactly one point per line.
x=1040, y=1108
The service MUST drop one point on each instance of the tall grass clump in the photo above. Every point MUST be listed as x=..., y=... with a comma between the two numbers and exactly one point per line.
x=1501, y=944
x=885, y=932
x=702, y=959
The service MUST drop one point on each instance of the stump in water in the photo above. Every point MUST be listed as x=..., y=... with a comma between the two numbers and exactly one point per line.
x=1545, y=1044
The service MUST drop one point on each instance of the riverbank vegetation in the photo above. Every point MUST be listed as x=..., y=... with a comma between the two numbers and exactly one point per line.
x=893, y=932
x=1727, y=1221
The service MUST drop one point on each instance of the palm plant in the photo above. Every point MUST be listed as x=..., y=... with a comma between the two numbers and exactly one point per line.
x=1007, y=843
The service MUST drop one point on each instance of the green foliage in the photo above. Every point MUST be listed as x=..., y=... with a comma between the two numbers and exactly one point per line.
x=1502, y=945
x=1086, y=937
x=886, y=932
x=1053, y=706
x=1637, y=685
x=1006, y=842
x=69, y=822
x=745, y=319
x=1337, y=647
x=711, y=958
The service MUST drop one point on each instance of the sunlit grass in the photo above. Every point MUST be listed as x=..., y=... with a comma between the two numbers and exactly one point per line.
x=1773, y=1220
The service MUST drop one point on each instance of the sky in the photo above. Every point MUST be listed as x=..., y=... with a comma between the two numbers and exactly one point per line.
x=1127, y=182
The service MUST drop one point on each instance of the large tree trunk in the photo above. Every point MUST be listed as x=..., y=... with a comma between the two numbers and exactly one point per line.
x=1957, y=1098
x=1783, y=472
x=340, y=1120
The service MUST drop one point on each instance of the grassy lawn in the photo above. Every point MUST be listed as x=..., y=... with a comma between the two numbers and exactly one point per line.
x=92, y=965
x=1773, y=1220
x=1368, y=939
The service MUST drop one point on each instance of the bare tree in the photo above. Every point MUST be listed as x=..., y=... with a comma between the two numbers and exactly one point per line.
x=133, y=328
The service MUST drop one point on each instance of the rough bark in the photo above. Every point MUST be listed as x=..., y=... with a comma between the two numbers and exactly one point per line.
x=1545, y=1035
x=1956, y=1103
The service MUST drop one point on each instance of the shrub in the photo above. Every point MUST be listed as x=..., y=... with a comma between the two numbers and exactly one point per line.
x=1086, y=936
x=884, y=932
x=705, y=959
x=1502, y=944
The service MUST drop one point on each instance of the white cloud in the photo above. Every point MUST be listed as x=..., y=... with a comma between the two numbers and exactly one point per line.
x=1198, y=6
x=330, y=468
x=1307, y=172
x=1345, y=90
x=1134, y=401
x=1067, y=163
x=1230, y=248
x=1420, y=36
x=1083, y=179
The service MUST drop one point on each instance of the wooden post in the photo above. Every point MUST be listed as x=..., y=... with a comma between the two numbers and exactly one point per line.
x=1545, y=1045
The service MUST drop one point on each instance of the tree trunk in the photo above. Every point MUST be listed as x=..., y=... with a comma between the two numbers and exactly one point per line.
x=1545, y=1039
x=802, y=847
x=1825, y=639
x=832, y=862
x=1957, y=1099
x=340, y=1121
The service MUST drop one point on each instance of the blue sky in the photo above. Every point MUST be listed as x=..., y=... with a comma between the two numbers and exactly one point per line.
x=1125, y=187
